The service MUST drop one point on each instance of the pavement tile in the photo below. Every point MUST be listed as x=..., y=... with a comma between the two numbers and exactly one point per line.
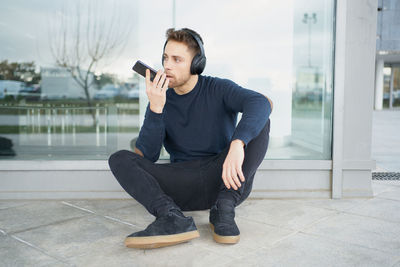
x=282, y=213
x=78, y=237
x=306, y=250
x=385, y=209
x=387, y=182
x=102, y=206
x=200, y=217
x=253, y=235
x=5, y=204
x=16, y=253
x=379, y=188
x=397, y=264
x=363, y=231
x=393, y=193
x=332, y=204
x=136, y=215
x=35, y=214
x=185, y=254
x=97, y=240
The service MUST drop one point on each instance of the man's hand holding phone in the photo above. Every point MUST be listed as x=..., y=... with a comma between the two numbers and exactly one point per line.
x=156, y=90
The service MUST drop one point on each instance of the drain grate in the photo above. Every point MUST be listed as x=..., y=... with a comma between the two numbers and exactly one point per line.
x=386, y=176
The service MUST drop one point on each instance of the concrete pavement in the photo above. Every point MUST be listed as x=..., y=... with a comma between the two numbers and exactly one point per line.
x=284, y=232
x=311, y=232
x=386, y=140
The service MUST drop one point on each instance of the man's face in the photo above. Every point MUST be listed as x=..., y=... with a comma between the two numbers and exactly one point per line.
x=177, y=59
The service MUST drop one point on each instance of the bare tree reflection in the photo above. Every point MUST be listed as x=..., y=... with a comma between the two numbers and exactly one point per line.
x=86, y=38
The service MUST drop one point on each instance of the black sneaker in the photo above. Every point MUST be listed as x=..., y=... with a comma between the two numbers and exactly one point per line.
x=223, y=224
x=170, y=229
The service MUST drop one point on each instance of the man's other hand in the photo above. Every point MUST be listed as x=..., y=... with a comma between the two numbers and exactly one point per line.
x=232, y=167
x=137, y=151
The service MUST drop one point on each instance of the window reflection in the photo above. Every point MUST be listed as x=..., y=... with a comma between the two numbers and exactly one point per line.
x=50, y=108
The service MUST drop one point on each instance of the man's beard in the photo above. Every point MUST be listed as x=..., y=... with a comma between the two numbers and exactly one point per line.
x=178, y=83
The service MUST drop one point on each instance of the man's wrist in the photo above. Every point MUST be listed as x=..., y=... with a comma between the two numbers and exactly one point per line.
x=156, y=109
x=238, y=142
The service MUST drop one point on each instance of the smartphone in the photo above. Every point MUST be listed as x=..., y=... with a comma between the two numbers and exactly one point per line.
x=141, y=67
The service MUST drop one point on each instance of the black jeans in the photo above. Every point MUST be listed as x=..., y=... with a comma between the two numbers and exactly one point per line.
x=188, y=185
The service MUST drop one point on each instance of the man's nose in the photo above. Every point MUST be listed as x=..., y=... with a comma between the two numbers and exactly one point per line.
x=166, y=65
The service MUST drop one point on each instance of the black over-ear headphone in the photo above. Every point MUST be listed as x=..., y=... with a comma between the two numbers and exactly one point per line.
x=199, y=60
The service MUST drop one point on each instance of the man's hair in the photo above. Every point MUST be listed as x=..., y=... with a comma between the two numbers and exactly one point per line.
x=183, y=36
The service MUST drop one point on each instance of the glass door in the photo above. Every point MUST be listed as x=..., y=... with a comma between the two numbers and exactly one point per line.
x=391, y=86
x=396, y=86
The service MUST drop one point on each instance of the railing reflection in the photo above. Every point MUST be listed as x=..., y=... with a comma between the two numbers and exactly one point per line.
x=68, y=130
x=63, y=121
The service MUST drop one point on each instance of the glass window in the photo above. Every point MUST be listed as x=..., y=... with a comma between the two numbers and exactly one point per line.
x=47, y=111
x=396, y=86
x=387, y=73
x=67, y=90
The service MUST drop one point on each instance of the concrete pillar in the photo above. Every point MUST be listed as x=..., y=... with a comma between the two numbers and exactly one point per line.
x=379, y=84
x=354, y=94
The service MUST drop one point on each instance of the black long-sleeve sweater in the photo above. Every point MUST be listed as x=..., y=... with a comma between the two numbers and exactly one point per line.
x=203, y=122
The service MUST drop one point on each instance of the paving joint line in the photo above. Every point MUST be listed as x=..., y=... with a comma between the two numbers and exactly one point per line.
x=120, y=221
x=295, y=231
x=44, y=225
x=337, y=212
x=77, y=207
x=272, y=245
x=100, y=215
x=320, y=220
x=41, y=250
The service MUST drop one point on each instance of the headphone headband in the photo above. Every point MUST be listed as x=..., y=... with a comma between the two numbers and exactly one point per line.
x=198, y=41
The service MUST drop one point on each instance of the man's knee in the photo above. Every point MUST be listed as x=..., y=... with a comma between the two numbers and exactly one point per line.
x=120, y=157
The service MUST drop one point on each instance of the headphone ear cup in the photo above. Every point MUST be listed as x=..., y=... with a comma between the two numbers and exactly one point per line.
x=198, y=64
x=201, y=64
x=195, y=63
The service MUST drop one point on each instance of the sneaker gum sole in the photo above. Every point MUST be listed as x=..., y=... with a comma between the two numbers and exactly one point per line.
x=225, y=239
x=160, y=240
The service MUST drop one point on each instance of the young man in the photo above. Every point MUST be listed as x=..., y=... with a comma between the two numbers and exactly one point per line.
x=213, y=162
